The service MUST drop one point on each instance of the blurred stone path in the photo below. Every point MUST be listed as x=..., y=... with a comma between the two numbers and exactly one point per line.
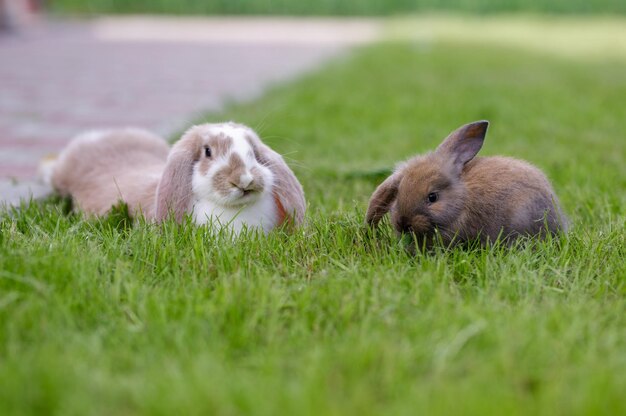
x=60, y=78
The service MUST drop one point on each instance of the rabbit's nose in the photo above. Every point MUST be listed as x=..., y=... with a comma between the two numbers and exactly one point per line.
x=246, y=183
x=245, y=180
x=404, y=225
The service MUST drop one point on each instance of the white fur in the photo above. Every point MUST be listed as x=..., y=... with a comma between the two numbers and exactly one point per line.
x=245, y=179
x=91, y=136
x=234, y=211
x=235, y=131
x=46, y=170
x=260, y=213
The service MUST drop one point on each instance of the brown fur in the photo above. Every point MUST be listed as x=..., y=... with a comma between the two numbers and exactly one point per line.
x=173, y=193
x=230, y=174
x=119, y=165
x=483, y=198
x=219, y=145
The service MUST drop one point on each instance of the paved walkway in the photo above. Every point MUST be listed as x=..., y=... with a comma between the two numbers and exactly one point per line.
x=59, y=78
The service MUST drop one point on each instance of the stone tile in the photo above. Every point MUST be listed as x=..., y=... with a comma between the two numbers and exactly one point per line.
x=13, y=193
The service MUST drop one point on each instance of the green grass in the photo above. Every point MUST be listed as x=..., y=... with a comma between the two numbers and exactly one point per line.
x=334, y=7
x=103, y=317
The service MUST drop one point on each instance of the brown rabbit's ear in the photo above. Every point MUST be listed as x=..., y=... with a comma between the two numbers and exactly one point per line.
x=464, y=143
x=174, y=190
x=382, y=198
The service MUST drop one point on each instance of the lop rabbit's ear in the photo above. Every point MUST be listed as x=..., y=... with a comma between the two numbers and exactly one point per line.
x=382, y=198
x=174, y=190
x=287, y=188
x=464, y=143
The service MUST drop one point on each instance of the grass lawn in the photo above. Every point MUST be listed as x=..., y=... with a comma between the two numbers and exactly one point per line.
x=103, y=317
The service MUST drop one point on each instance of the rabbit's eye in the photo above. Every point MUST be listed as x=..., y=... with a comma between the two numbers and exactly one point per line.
x=207, y=151
x=433, y=197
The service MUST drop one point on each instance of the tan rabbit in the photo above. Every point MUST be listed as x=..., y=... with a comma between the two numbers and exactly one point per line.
x=221, y=174
x=451, y=194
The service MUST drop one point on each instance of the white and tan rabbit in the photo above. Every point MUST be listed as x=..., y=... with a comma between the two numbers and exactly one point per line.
x=452, y=195
x=221, y=174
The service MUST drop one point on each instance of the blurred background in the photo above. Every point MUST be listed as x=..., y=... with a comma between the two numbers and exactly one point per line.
x=71, y=65
x=330, y=7
x=97, y=318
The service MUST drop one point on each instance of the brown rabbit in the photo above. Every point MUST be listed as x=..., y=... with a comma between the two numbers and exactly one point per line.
x=451, y=194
